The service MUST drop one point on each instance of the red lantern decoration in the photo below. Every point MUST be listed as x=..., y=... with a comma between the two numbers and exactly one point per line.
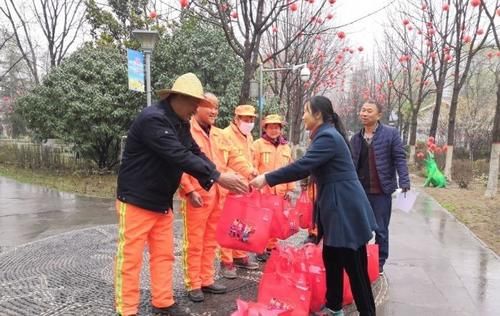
x=466, y=38
x=410, y=28
x=332, y=2
x=446, y=7
x=152, y=15
x=433, y=55
x=424, y=7
x=475, y=3
x=480, y=32
x=360, y=49
x=275, y=29
x=310, y=1
x=293, y=7
x=448, y=57
x=498, y=12
x=184, y=3
x=490, y=55
x=406, y=22
x=341, y=35
x=234, y=14
x=329, y=16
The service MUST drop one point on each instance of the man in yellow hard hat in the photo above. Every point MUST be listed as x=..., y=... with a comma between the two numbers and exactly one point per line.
x=239, y=133
x=158, y=150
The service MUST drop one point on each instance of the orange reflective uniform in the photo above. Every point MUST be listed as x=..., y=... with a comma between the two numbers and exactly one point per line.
x=266, y=158
x=200, y=223
x=243, y=145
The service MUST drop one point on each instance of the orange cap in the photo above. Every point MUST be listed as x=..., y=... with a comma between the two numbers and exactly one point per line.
x=245, y=110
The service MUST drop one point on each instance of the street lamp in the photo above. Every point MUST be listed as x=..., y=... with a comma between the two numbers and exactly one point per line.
x=148, y=40
x=305, y=75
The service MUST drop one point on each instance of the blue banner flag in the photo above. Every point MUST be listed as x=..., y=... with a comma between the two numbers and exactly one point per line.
x=135, y=70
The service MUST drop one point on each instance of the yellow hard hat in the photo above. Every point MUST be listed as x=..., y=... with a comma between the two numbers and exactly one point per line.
x=273, y=119
x=187, y=84
x=245, y=110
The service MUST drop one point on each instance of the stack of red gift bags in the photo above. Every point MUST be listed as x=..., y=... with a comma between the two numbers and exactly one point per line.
x=294, y=280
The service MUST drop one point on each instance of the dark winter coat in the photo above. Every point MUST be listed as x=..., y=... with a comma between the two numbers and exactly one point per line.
x=158, y=150
x=390, y=157
x=343, y=213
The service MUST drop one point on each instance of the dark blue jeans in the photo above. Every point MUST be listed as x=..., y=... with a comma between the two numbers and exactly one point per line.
x=381, y=205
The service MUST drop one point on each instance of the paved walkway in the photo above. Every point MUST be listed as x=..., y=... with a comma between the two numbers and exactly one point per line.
x=436, y=265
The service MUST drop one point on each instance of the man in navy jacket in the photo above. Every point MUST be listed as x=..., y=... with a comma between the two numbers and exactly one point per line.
x=159, y=149
x=378, y=153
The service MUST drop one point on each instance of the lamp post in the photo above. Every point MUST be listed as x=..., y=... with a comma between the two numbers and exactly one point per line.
x=148, y=40
x=305, y=75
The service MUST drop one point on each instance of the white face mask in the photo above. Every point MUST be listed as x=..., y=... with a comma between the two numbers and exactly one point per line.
x=245, y=127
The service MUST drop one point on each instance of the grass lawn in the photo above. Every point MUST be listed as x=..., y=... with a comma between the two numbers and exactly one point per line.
x=90, y=185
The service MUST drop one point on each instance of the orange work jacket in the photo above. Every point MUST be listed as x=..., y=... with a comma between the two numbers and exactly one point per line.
x=221, y=151
x=267, y=157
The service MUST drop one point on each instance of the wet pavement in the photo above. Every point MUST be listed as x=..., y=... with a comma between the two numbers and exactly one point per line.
x=438, y=267
x=57, y=250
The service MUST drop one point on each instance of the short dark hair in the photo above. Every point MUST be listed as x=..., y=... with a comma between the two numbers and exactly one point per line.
x=380, y=109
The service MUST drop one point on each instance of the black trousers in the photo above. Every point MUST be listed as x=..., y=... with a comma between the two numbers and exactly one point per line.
x=355, y=263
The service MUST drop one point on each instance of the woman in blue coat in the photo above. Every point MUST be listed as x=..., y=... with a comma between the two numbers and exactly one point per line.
x=343, y=214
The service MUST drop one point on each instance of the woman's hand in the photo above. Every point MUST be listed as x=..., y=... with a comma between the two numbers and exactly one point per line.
x=259, y=182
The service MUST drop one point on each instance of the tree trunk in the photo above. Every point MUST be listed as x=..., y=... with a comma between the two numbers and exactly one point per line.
x=249, y=70
x=413, y=135
x=451, y=131
x=491, y=188
x=435, y=113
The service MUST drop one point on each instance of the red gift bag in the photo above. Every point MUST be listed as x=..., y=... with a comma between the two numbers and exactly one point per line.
x=310, y=261
x=285, y=221
x=257, y=309
x=286, y=291
x=373, y=267
x=244, y=225
x=304, y=207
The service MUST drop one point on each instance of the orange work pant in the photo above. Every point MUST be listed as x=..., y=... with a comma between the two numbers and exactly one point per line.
x=138, y=226
x=199, y=242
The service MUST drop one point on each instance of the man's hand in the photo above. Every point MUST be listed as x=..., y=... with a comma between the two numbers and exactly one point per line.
x=195, y=199
x=404, y=190
x=233, y=182
x=253, y=174
x=259, y=182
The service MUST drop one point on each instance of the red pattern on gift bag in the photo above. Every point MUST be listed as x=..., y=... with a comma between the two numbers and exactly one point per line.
x=304, y=207
x=257, y=309
x=288, y=291
x=244, y=225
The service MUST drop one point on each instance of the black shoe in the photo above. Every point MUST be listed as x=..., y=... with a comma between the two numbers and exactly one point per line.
x=214, y=289
x=263, y=257
x=245, y=263
x=196, y=296
x=172, y=310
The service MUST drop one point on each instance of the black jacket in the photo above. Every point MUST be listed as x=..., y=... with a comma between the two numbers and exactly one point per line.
x=158, y=150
